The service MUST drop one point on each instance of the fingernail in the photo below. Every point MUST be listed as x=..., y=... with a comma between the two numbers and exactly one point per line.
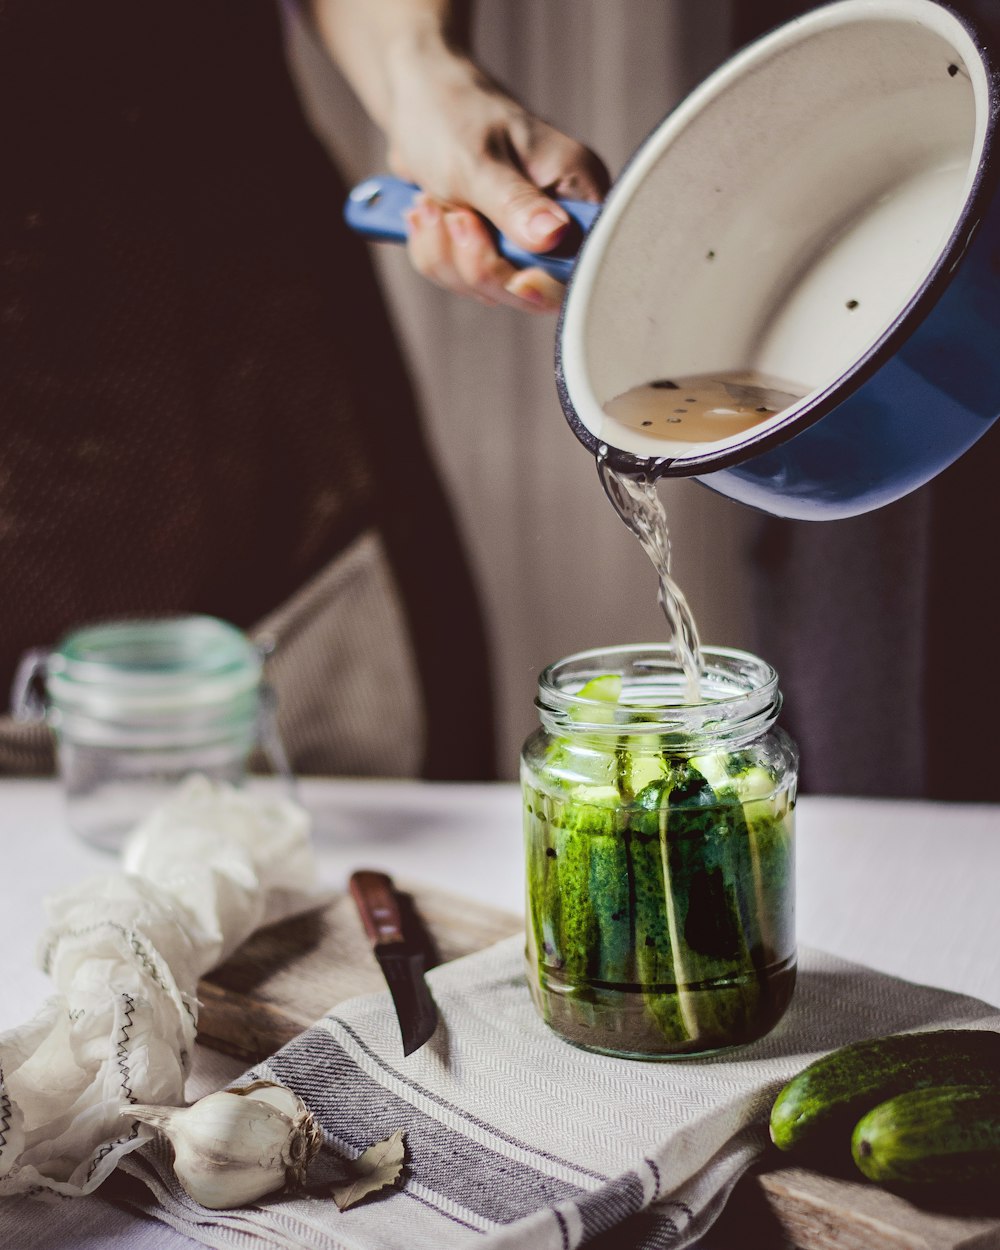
x=459, y=227
x=524, y=290
x=543, y=223
x=430, y=213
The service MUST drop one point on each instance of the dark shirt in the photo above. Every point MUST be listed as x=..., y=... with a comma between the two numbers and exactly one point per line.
x=201, y=401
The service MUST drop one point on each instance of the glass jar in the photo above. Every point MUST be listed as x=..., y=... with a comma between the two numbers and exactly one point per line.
x=660, y=855
x=136, y=706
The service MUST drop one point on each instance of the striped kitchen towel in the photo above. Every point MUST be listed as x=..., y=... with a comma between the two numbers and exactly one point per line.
x=516, y=1139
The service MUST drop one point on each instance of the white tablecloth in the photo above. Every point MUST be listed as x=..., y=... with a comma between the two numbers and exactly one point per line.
x=908, y=888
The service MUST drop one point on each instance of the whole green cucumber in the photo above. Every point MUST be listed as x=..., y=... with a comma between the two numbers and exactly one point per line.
x=818, y=1108
x=943, y=1135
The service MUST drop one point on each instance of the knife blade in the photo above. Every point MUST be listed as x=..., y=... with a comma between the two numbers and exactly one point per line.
x=403, y=951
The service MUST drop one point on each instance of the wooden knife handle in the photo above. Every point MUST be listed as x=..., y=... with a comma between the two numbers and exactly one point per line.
x=379, y=908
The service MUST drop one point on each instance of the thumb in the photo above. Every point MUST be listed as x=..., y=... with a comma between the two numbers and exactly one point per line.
x=516, y=206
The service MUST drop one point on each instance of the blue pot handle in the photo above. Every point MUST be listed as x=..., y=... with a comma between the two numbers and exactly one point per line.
x=376, y=206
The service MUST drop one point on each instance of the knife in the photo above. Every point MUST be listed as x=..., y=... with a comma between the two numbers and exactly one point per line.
x=403, y=952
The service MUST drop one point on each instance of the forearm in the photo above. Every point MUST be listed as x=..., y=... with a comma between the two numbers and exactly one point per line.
x=369, y=38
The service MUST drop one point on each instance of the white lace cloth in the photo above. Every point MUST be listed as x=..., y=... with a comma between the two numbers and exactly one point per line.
x=125, y=952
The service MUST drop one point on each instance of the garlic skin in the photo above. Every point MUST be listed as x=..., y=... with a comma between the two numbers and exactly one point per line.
x=235, y=1146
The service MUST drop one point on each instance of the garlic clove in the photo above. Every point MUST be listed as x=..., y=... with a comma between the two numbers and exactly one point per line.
x=235, y=1146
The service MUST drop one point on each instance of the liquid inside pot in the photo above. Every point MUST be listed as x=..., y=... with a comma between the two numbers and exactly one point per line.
x=700, y=408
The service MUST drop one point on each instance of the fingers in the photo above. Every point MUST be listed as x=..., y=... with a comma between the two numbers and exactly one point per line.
x=453, y=248
x=567, y=169
x=538, y=288
x=517, y=207
x=508, y=184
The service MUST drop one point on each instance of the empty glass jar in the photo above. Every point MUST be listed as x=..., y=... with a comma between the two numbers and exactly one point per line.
x=138, y=705
x=660, y=857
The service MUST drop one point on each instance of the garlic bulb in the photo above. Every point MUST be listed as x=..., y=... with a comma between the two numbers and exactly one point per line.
x=233, y=1147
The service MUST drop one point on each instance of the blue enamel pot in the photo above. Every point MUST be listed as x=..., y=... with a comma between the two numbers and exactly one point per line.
x=822, y=209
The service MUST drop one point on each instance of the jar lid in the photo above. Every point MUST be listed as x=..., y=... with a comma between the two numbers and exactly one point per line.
x=159, y=665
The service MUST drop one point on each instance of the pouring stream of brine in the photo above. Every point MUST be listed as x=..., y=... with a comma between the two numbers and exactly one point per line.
x=640, y=507
x=693, y=410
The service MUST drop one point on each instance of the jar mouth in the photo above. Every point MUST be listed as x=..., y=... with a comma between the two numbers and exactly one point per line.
x=738, y=697
x=160, y=664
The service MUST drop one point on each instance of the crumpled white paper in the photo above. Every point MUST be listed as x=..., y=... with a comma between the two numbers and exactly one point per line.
x=125, y=952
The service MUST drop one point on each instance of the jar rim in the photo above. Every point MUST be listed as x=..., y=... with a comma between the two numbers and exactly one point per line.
x=152, y=663
x=739, y=694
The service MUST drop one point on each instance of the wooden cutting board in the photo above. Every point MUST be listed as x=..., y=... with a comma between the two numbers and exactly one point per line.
x=790, y=1208
x=289, y=975
x=828, y=1213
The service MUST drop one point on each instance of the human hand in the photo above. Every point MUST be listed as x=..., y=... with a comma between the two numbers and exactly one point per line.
x=477, y=153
